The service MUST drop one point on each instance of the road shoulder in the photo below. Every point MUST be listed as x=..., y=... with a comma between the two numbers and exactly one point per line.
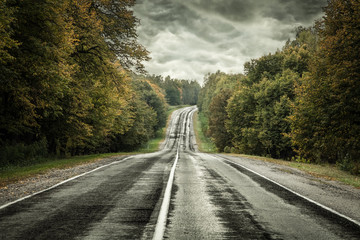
x=19, y=189
x=333, y=194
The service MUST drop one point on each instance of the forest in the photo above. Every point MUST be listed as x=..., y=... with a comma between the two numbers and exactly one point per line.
x=300, y=103
x=73, y=83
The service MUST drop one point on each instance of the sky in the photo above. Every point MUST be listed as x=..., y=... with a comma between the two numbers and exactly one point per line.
x=189, y=38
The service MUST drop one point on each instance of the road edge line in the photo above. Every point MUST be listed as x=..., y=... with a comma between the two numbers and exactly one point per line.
x=164, y=209
x=298, y=194
x=63, y=182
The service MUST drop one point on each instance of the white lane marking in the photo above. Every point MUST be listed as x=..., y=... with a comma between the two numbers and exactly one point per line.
x=161, y=221
x=298, y=194
x=164, y=209
x=188, y=128
x=61, y=183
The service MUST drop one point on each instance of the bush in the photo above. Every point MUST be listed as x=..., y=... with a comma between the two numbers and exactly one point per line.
x=235, y=150
x=227, y=149
x=21, y=154
x=300, y=159
x=349, y=165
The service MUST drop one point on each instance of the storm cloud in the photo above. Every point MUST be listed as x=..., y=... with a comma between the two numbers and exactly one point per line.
x=190, y=38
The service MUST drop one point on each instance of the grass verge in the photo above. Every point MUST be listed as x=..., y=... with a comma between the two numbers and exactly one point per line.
x=204, y=143
x=17, y=173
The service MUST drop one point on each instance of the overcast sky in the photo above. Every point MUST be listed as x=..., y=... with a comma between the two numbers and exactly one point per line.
x=190, y=38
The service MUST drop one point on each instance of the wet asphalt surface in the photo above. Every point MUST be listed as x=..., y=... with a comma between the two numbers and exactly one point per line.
x=211, y=199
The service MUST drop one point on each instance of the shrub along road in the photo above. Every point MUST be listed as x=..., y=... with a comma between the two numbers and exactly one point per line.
x=212, y=197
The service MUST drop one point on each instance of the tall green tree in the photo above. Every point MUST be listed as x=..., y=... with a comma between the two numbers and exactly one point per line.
x=259, y=110
x=218, y=118
x=172, y=90
x=213, y=84
x=273, y=101
x=211, y=110
x=190, y=92
x=241, y=111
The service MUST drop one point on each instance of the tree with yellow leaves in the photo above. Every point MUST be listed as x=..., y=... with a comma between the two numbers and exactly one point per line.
x=62, y=73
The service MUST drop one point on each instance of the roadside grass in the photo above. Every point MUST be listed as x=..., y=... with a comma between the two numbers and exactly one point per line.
x=17, y=173
x=204, y=143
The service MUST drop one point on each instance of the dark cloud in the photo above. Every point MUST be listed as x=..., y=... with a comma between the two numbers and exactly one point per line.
x=250, y=10
x=304, y=11
x=189, y=38
x=231, y=9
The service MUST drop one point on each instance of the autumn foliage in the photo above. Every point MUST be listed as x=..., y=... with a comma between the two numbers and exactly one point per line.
x=66, y=86
x=326, y=118
x=302, y=102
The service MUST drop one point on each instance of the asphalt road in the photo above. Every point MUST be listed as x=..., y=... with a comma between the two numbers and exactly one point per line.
x=179, y=193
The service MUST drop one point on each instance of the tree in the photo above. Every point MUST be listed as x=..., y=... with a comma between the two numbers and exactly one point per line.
x=190, y=92
x=266, y=66
x=325, y=123
x=141, y=130
x=240, y=109
x=213, y=84
x=273, y=100
x=173, y=95
x=6, y=40
x=119, y=31
x=172, y=91
x=258, y=112
x=218, y=118
x=32, y=85
x=152, y=95
x=62, y=72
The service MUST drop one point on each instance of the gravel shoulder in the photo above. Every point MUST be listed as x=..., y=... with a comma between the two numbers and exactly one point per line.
x=340, y=197
x=31, y=185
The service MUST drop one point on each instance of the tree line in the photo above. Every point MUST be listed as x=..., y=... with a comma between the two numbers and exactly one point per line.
x=301, y=102
x=72, y=80
x=178, y=91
